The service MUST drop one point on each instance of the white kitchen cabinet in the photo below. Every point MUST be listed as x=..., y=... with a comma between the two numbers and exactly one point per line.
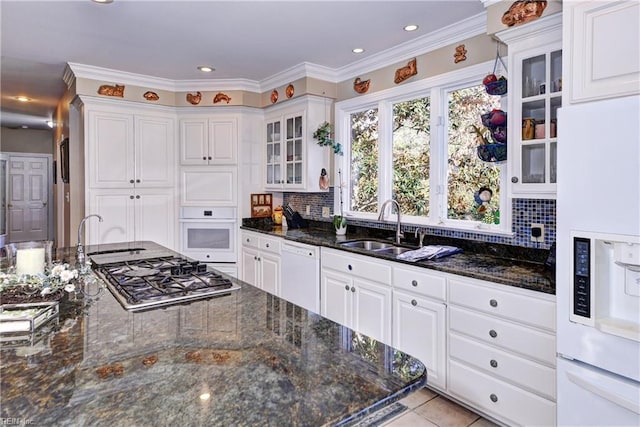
x=356, y=292
x=126, y=149
x=261, y=261
x=535, y=95
x=208, y=186
x=600, y=40
x=133, y=214
x=208, y=141
x=419, y=319
x=293, y=160
x=502, y=351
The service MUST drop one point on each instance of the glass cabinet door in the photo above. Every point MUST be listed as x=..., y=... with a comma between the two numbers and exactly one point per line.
x=274, y=159
x=293, y=142
x=541, y=97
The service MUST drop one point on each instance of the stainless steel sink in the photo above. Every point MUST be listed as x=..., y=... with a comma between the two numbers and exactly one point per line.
x=378, y=247
x=369, y=245
x=396, y=250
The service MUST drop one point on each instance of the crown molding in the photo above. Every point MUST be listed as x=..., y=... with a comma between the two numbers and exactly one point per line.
x=124, y=77
x=302, y=70
x=488, y=3
x=459, y=31
x=68, y=77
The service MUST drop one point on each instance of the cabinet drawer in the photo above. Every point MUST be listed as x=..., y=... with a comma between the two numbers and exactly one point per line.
x=504, y=401
x=521, y=308
x=420, y=281
x=360, y=266
x=528, y=342
x=525, y=373
x=250, y=239
x=270, y=244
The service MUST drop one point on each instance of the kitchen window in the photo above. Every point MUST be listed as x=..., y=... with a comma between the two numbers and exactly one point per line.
x=415, y=144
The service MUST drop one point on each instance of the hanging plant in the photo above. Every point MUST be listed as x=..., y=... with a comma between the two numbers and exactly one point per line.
x=324, y=135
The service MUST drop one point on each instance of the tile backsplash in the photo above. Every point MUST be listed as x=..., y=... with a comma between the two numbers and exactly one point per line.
x=524, y=213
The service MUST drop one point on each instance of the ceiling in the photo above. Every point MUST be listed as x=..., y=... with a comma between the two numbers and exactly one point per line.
x=251, y=40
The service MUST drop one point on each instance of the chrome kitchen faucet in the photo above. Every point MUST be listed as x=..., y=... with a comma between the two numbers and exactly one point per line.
x=80, y=258
x=399, y=234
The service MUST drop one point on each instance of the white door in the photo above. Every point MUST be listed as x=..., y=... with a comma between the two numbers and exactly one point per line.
x=270, y=273
x=155, y=217
x=28, y=198
x=250, y=266
x=372, y=310
x=336, y=300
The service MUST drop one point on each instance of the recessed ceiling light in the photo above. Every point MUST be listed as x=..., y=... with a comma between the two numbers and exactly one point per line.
x=22, y=98
x=411, y=27
x=357, y=50
x=206, y=68
x=102, y=1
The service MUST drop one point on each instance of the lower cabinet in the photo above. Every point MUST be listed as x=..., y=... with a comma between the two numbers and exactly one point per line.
x=261, y=261
x=349, y=295
x=502, y=351
x=419, y=329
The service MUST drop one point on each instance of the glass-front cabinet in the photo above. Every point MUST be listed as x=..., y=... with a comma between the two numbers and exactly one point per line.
x=535, y=95
x=293, y=159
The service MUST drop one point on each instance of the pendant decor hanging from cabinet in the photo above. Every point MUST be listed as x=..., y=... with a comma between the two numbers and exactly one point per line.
x=493, y=84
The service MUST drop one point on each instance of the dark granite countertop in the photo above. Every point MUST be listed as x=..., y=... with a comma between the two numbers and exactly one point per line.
x=262, y=360
x=519, y=267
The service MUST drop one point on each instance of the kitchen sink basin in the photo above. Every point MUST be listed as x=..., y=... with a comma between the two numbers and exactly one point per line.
x=396, y=250
x=370, y=245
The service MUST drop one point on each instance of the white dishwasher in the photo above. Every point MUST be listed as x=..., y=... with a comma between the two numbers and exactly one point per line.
x=300, y=275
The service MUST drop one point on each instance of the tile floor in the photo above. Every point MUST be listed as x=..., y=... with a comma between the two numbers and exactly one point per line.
x=426, y=408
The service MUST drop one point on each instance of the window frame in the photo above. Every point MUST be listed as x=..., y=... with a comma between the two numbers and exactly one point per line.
x=437, y=89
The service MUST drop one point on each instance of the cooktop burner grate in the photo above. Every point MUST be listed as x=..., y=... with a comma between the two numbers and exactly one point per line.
x=146, y=283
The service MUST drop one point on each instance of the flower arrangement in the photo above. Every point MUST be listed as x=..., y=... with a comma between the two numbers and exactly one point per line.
x=339, y=221
x=324, y=136
x=42, y=286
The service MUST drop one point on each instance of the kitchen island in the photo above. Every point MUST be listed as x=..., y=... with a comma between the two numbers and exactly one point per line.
x=244, y=358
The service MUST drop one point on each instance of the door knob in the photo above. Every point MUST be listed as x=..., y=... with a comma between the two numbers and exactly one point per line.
x=44, y=203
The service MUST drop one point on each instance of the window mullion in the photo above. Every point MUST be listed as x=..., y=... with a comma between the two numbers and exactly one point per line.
x=385, y=159
x=437, y=173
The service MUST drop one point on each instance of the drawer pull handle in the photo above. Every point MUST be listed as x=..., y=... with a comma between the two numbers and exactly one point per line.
x=493, y=363
x=353, y=289
x=493, y=398
x=414, y=302
x=493, y=303
x=130, y=181
x=346, y=287
x=350, y=267
x=493, y=333
x=414, y=282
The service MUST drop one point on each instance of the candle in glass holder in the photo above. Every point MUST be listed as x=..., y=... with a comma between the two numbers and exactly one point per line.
x=30, y=261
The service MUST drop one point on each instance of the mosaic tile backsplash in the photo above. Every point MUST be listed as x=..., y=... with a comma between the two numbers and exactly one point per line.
x=524, y=213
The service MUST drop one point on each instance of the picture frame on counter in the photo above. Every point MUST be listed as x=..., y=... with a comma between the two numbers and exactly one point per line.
x=261, y=205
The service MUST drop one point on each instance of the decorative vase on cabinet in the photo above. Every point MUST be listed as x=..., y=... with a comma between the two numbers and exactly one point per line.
x=535, y=56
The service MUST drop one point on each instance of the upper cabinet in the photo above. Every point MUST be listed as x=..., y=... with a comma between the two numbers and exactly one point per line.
x=600, y=39
x=127, y=149
x=208, y=141
x=293, y=160
x=535, y=95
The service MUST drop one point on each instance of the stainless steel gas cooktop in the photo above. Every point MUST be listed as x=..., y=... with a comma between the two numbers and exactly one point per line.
x=143, y=284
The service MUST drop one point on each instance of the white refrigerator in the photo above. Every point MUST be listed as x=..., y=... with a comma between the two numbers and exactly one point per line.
x=598, y=263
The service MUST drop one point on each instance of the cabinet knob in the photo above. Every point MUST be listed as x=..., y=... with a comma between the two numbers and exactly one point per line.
x=346, y=287
x=138, y=181
x=208, y=256
x=514, y=179
x=414, y=283
x=414, y=302
x=350, y=267
x=267, y=245
x=493, y=397
x=248, y=240
x=353, y=289
x=137, y=196
x=493, y=333
x=130, y=181
x=209, y=157
x=131, y=197
x=493, y=303
x=493, y=363
x=204, y=158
